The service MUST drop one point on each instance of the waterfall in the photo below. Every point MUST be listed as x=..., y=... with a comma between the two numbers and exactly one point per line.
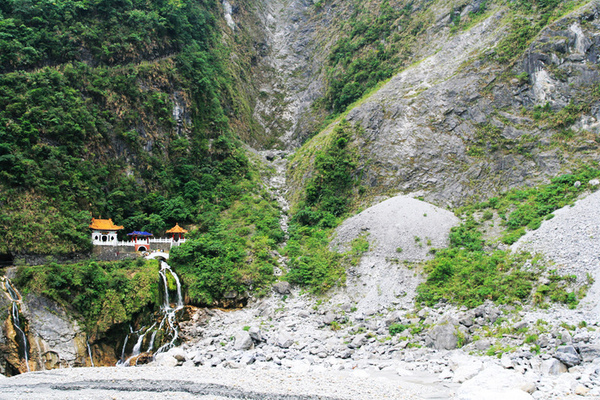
x=15, y=297
x=90, y=353
x=169, y=313
x=151, y=345
x=168, y=320
x=138, y=344
x=121, y=360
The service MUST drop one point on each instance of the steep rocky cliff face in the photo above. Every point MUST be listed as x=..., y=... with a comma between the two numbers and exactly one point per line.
x=463, y=122
x=43, y=337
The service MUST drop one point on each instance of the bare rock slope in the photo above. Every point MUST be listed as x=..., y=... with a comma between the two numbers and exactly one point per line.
x=459, y=124
x=400, y=231
x=572, y=241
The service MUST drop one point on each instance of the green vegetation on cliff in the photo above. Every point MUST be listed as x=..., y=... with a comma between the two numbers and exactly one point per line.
x=104, y=294
x=470, y=271
x=87, y=124
x=231, y=256
x=327, y=199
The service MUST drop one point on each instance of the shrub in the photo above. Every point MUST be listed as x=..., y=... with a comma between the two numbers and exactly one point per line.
x=397, y=328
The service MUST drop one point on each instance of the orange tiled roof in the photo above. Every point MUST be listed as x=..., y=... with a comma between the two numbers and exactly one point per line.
x=177, y=229
x=104, y=225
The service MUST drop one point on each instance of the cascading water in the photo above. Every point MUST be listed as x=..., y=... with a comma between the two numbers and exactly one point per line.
x=168, y=321
x=16, y=299
x=90, y=354
x=169, y=313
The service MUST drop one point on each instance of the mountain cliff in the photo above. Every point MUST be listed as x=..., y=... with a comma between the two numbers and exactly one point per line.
x=263, y=126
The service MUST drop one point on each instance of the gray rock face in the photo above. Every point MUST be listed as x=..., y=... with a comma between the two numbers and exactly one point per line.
x=287, y=72
x=421, y=129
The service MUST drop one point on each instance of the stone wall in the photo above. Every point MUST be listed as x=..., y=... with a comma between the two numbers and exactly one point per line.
x=114, y=253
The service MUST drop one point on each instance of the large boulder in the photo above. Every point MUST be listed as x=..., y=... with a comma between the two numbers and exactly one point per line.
x=243, y=341
x=445, y=336
x=589, y=352
x=568, y=356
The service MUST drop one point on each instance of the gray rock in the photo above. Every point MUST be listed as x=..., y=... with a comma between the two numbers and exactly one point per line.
x=589, y=352
x=565, y=337
x=482, y=344
x=358, y=341
x=553, y=367
x=178, y=353
x=282, y=287
x=243, y=341
x=443, y=336
x=393, y=318
x=256, y=334
x=284, y=340
x=568, y=356
x=165, y=360
x=466, y=320
x=329, y=318
x=247, y=359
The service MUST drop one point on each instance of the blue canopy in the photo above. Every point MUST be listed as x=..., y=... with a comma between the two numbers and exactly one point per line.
x=138, y=233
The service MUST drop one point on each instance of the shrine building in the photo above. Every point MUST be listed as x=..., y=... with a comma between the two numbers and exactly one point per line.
x=104, y=232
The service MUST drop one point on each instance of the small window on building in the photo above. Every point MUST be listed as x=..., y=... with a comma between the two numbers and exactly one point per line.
x=104, y=238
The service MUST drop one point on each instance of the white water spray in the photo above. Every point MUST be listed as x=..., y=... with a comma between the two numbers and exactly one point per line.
x=168, y=321
x=16, y=299
x=169, y=313
x=90, y=354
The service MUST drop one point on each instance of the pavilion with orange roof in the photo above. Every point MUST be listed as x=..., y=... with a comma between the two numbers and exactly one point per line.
x=104, y=232
x=177, y=233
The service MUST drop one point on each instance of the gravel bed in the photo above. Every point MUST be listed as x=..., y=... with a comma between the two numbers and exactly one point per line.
x=206, y=383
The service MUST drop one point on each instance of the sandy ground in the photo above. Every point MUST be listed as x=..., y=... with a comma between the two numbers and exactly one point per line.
x=218, y=383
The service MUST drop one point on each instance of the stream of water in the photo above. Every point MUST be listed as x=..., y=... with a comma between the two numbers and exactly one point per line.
x=167, y=318
x=16, y=299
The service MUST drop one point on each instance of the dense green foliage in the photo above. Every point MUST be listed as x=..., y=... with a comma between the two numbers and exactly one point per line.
x=232, y=256
x=328, y=196
x=103, y=293
x=330, y=188
x=375, y=44
x=94, y=134
x=466, y=273
x=526, y=208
